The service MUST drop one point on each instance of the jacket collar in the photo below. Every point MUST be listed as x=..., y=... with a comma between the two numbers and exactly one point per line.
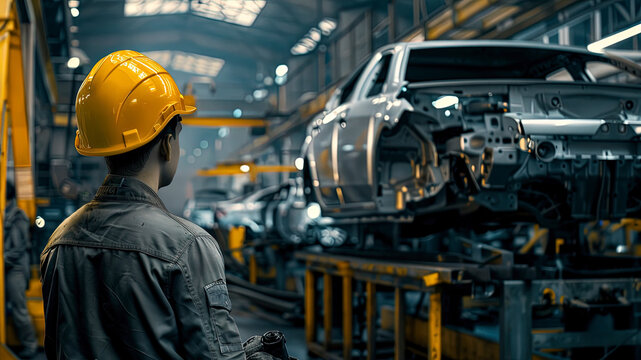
x=124, y=188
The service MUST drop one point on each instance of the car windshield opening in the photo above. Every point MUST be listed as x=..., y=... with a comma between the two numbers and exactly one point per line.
x=489, y=62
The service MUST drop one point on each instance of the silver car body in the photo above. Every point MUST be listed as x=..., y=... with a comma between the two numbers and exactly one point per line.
x=379, y=154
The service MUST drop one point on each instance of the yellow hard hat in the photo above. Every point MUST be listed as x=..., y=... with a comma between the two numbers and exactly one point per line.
x=124, y=102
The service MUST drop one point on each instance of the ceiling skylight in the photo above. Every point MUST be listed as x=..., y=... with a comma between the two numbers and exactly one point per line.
x=155, y=7
x=241, y=12
x=309, y=41
x=188, y=62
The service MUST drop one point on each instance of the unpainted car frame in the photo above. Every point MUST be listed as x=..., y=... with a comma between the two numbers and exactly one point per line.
x=435, y=131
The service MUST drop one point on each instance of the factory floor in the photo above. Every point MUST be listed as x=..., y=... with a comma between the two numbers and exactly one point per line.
x=254, y=321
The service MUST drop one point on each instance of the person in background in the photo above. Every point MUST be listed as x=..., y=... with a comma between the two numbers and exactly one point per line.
x=17, y=273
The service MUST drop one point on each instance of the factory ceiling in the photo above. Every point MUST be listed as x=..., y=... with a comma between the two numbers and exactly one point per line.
x=224, y=48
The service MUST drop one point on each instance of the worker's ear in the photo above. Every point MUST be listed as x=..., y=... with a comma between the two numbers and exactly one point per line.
x=165, y=147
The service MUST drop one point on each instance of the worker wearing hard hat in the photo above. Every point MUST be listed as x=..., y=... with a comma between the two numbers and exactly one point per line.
x=122, y=277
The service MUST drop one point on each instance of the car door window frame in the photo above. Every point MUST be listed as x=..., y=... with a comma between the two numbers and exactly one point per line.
x=352, y=83
x=367, y=80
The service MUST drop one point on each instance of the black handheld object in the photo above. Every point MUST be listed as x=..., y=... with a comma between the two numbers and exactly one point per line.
x=274, y=344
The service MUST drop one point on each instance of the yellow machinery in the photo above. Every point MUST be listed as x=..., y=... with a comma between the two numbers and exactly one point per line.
x=245, y=168
x=13, y=116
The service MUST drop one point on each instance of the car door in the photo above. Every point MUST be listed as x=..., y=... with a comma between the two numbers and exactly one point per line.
x=323, y=154
x=355, y=135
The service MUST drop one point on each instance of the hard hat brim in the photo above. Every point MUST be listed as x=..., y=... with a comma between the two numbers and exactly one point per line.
x=118, y=149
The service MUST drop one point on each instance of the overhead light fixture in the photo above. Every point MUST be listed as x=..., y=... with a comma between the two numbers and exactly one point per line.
x=223, y=132
x=315, y=34
x=237, y=113
x=327, y=26
x=311, y=39
x=162, y=57
x=268, y=81
x=260, y=94
x=281, y=70
x=445, y=101
x=598, y=46
x=73, y=62
x=240, y=12
x=280, y=80
x=155, y=7
x=73, y=3
x=187, y=62
x=75, y=12
x=299, y=163
x=244, y=168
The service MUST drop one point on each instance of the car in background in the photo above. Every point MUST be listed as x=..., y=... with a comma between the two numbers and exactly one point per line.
x=199, y=210
x=278, y=214
x=435, y=133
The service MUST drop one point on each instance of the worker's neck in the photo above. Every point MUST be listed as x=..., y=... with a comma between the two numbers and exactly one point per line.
x=150, y=178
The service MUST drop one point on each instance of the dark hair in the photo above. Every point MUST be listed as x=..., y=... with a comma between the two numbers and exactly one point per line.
x=11, y=191
x=132, y=162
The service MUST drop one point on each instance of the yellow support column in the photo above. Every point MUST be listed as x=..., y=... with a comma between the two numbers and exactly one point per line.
x=236, y=242
x=310, y=308
x=348, y=326
x=25, y=195
x=399, y=324
x=253, y=269
x=4, y=118
x=327, y=310
x=435, y=326
x=371, y=320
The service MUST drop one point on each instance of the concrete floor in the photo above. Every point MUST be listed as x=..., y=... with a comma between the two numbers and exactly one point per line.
x=254, y=321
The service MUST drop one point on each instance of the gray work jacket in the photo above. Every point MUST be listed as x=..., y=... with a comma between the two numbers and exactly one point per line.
x=125, y=279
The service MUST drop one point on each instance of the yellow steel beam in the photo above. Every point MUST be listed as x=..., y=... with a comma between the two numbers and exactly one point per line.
x=539, y=234
x=450, y=18
x=245, y=168
x=4, y=90
x=220, y=122
x=13, y=113
x=501, y=13
x=528, y=18
x=50, y=78
x=25, y=192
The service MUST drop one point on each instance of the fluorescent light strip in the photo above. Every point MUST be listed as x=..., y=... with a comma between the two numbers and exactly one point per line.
x=187, y=62
x=598, y=46
x=240, y=12
x=155, y=7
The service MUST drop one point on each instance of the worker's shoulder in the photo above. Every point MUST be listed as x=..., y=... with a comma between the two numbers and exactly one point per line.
x=15, y=213
x=124, y=226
